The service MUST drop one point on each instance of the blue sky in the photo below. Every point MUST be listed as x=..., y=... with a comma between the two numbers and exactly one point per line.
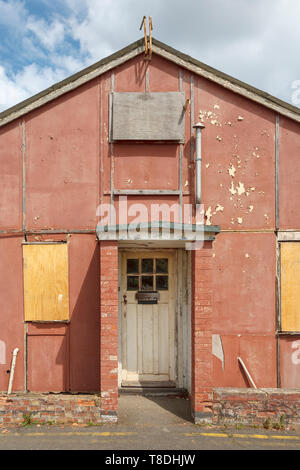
x=44, y=41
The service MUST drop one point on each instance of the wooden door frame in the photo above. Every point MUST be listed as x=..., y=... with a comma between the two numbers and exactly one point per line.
x=182, y=285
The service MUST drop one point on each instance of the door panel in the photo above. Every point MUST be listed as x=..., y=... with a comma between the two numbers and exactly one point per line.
x=148, y=330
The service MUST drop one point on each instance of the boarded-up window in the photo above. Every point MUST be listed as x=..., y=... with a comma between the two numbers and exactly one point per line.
x=148, y=116
x=290, y=286
x=46, y=292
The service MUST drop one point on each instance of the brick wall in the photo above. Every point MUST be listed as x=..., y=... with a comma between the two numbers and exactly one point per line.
x=201, y=370
x=57, y=409
x=269, y=407
x=109, y=329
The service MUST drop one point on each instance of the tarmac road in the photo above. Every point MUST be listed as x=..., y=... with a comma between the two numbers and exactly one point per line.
x=147, y=423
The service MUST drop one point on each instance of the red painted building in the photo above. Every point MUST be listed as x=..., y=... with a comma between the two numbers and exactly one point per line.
x=122, y=132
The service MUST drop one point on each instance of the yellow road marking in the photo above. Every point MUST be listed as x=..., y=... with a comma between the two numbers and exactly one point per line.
x=73, y=433
x=242, y=436
x=214, y=434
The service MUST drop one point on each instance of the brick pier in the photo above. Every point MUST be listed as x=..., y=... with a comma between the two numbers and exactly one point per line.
x=201, y=393
x=109, y=329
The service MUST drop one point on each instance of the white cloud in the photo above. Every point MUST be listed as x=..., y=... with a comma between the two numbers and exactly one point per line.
x=30, y=80
x=10, y=91
x=49, y=35
x=12, y=14
x=255, y=41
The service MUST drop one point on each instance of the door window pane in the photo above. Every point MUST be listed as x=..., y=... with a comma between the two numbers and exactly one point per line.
x=161, y=265
x=132, y=282
x=147, y=282
x=161, y=282
x=147, y=265
x=132, y=266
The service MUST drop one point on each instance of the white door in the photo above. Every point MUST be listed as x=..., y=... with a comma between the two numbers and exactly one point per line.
x=148, y=330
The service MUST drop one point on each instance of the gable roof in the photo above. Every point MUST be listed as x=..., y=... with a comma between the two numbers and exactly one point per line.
x=161, y=49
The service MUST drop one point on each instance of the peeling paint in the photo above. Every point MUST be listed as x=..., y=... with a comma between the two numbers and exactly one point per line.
x=240, y=188
x=207, y=165
x=240, y=118
x=232, y=171
x=216, y=106
x=219, y=208
x=217, y=349
x=208, y=214
x=250, y=208
x=232, y=188
x=219, y=138
x=240, y=220
x=247, y=255
x=2, y=352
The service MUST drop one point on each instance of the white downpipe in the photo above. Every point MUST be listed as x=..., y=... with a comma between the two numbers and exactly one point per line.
x=12, y=371
x=247, y=373
x=199, y=126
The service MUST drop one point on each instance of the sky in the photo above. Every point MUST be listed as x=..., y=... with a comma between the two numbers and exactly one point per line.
x=45, y=41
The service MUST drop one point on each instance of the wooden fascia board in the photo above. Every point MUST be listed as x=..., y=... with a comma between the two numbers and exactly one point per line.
x=71, y=85
x=230, y=85
x=167, y=53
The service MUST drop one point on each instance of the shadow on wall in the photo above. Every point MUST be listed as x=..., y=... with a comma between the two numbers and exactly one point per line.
x=84, y=330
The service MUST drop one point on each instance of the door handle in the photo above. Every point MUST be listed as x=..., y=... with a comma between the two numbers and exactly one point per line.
x=125, y=302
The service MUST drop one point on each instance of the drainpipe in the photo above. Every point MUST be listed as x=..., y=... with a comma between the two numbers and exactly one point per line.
x=11, y=377
x=199, y=126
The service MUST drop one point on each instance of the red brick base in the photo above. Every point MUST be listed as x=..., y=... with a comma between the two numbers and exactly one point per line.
x=273, y=408
x=17, y=409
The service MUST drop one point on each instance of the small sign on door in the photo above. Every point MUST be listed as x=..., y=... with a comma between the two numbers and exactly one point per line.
x=147, y=297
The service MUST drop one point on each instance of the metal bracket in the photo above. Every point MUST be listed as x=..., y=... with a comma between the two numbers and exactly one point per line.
x=148, y=40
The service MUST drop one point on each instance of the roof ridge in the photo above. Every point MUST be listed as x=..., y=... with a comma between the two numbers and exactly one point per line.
x=130, y=51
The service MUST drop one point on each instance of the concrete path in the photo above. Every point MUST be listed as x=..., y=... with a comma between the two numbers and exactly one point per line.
x=137, y=410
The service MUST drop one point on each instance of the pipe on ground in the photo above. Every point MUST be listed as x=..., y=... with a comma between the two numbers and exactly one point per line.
x=12, y=371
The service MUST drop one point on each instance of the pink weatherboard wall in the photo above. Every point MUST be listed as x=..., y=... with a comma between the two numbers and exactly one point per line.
x=57, y=165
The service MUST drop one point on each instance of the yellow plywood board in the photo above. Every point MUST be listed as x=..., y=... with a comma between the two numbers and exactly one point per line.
x=46, y=284
x=290, y=286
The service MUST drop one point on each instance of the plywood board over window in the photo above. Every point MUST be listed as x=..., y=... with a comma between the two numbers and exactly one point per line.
x=46, y=285
x=290, y=286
